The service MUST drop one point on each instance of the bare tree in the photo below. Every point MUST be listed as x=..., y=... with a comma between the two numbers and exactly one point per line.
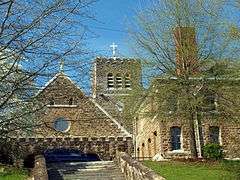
x=34, y=36
x=186, y=42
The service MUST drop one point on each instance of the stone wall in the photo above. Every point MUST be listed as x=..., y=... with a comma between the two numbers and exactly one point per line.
x=104, y=66
x=114, y=99
x=105, y=147
x=85, y=116
x=229, y=136
x=134, y=170
x=40, y=170
x=147, y=139
x=153, y=137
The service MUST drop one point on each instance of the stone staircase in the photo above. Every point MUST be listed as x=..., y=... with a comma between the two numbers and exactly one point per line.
x=96, y=170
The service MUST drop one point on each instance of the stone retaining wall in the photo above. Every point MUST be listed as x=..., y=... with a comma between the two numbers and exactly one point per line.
x=134, y=170
x=105, y=147
x=40, y=169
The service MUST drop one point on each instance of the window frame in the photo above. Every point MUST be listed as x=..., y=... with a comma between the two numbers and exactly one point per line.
x=110, y=81
x=119, y=81
x=58, y=119
x=127, y=78
x=218, y=136
x=180, y=143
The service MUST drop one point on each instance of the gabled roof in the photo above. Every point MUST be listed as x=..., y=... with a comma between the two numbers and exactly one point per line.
x=124, y=132
x=61, y=74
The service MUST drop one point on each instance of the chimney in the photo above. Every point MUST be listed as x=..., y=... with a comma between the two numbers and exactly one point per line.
x=186, y=51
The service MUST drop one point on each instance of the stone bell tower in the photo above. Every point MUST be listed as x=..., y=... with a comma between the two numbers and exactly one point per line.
x=113, y=80
x=115, y=76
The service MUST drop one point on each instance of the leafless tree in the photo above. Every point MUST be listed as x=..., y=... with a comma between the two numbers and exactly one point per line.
x=34, y=36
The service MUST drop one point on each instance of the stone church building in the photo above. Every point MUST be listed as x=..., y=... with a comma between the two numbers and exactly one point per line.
x=70, y=112
x=92, y=124
x=97, y=123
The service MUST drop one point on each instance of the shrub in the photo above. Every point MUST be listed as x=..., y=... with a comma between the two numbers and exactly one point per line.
x=213, y=151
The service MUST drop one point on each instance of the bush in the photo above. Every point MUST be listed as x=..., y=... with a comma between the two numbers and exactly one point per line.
x=213, y=151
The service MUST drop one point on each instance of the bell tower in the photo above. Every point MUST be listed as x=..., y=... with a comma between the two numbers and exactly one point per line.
x=115, y=76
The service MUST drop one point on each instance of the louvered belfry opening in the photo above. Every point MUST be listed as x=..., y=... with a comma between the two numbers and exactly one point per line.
x=110, y=81
x=127, y=81
x=119, y=83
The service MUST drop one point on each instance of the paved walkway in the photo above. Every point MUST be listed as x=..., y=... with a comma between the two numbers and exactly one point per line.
x=97, y=170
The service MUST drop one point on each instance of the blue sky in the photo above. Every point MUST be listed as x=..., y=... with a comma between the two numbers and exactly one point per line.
x=113, y=17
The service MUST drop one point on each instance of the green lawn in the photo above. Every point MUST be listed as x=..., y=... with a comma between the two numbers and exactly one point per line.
x=9, y=173
x=175, y=170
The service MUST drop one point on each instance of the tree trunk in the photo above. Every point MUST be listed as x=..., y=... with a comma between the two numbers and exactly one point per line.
x=193, y=146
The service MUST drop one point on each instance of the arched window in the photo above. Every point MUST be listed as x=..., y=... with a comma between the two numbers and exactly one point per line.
x=118, y=81
x=175, y=138
x=110, y=81
x=155, y=133
x=127, y=81
x=71, y=101
x=149, y=140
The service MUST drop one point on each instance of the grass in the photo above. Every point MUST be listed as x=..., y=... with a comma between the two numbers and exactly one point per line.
x=10, y=173
x=176, y=170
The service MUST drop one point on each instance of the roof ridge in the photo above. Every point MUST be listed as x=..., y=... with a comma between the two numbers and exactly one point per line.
x=110, y=117
x=54, y=78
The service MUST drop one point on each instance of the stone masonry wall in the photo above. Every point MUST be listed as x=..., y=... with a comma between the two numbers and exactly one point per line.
x=155, y=135
x=114, y=99
x=84, y=116
x=105, y=147
x=147, y=139
x=134, y=170
x=103, y=66
x=40, y=170
x=229, y=136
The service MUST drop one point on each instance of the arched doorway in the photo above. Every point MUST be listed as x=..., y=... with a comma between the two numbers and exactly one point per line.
x=69, y=155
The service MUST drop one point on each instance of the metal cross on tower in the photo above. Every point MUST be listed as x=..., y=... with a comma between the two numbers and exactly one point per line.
x=114, y=48
x=61, y=68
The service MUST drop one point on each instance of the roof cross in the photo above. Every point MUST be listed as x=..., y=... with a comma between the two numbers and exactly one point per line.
x=61, y=68
x=114, y=48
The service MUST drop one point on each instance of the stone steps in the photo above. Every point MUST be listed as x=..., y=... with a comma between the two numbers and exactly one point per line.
x=98, y=170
